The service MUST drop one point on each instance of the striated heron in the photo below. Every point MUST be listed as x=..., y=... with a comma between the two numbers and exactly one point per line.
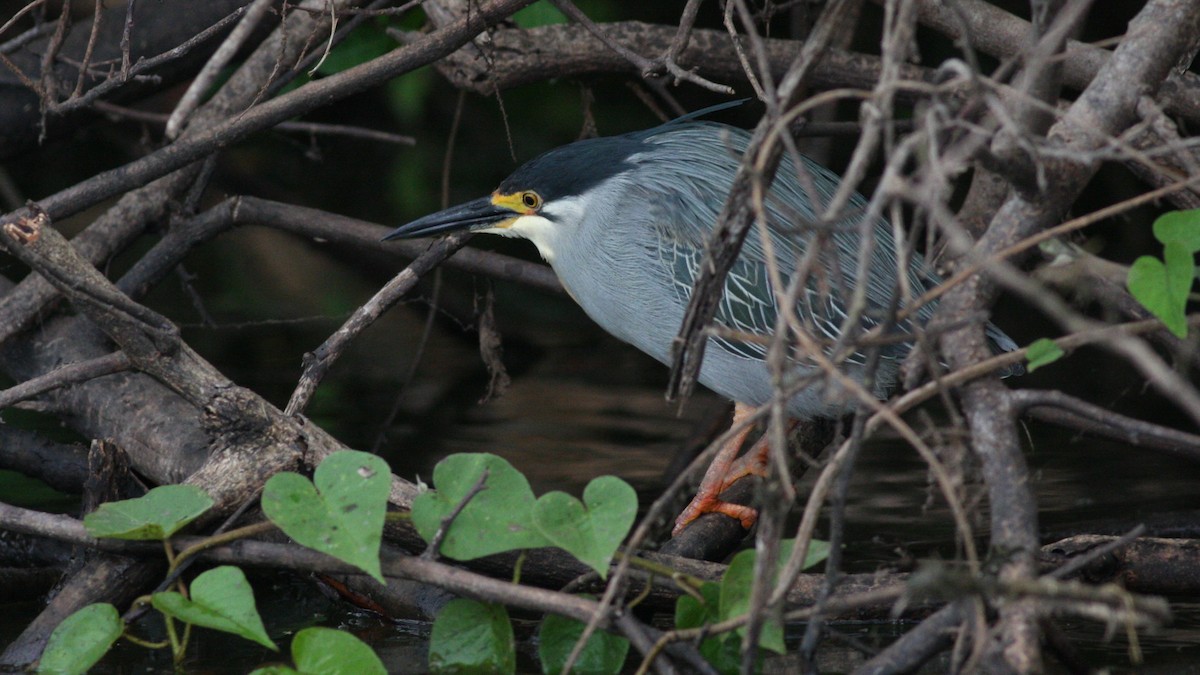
x=623, y=221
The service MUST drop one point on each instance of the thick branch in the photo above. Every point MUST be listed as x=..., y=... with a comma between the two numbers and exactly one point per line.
x=998, y=33
x=318, y=93
x=1157, y=38
x=162, y=26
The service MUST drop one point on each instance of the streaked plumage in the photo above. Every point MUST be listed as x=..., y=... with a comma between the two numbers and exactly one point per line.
x=624, y=220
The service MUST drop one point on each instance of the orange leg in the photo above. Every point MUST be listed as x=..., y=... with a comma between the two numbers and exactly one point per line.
x=726, y=469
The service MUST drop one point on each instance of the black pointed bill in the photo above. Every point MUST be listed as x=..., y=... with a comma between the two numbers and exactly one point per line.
x=477, y=214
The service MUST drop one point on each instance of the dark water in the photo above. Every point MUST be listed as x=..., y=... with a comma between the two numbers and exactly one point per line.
x=583, y=407
x=583, y=412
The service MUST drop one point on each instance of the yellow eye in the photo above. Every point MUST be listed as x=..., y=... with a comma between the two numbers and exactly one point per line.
x=531, y=200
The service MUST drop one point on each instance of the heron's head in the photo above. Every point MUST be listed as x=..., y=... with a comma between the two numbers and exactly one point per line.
x=543, y=201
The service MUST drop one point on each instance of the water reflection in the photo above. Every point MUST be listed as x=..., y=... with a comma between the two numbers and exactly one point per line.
x=572, y=417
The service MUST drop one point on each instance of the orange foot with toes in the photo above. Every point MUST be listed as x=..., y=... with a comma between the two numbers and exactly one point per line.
x=726, y=469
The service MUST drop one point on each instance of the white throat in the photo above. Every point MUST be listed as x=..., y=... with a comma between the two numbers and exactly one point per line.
x=546, y=229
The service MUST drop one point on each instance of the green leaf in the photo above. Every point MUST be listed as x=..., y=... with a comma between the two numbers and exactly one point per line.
x=818, y=551
x=1162, y=286
x=498, y=518
x=737, y=583
x=732, y=599
x=340, y=512
x=1043, y=352
x=722, y=651
x=590, y=530
x=275, y=669
x=81, y=640
x=325, y=651
x=31, y=493
x=736, y=586
x=158, y=514
x=472, y=637
x=692, y=612
x=604, y=652
x=221, y=599
x=1181, y=268
x=1181, y=227
x=1154, y=284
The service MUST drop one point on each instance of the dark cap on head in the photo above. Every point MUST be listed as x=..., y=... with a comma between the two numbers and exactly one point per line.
x=575, y=168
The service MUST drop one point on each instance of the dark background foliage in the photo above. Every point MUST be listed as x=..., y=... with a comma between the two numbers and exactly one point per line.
x=255, y=300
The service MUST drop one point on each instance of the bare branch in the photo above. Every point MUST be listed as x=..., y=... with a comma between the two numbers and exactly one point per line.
x=435, y=544
x=223, y=55
x=65, y=376
x=319, y=362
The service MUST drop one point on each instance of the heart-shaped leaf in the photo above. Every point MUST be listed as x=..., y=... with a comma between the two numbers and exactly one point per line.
x=334, y=652
x=1182, y=227
x=81, y=640
x=693, y=612
x=498, y=518
x=158, y=514
x=604, y=652
x=591, y=530
x=723, y=651
x=340, y=512
x=1181, y=268
x=738, y=580
x=736, y=586
x=1163, y=288
x=472, y=637
x=221, y=599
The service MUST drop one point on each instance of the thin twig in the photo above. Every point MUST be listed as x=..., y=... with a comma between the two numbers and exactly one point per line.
x=314, y=128
x=432, y=551
x=49, y=88
x=145, y=65
x=65, y=376
x=97, y=17
x=1094, y=419
x=20, y=13
x=646, y=66
x=212, y=69
x=1077, y=563
x=190, y=148
x=126, y=31
x=317, y=363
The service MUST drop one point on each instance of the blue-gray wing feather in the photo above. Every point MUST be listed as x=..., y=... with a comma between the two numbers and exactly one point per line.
x=683, y=214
